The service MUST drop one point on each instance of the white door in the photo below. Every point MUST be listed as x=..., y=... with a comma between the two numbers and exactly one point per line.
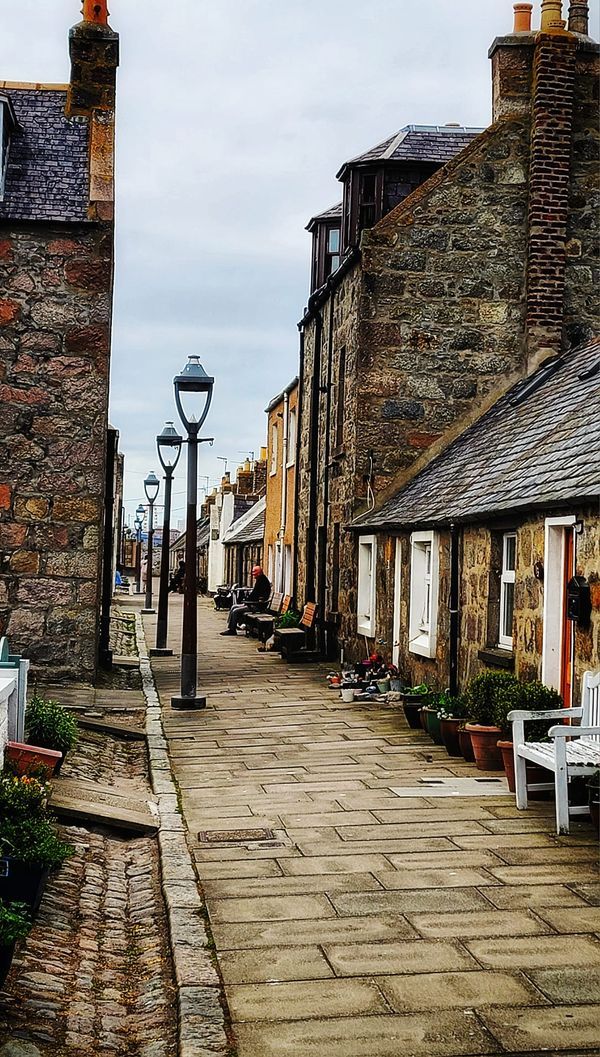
x=397, y=597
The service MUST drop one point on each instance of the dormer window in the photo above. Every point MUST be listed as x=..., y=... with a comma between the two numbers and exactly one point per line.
x=332, y=256
x=327, y=244
x=8, y=126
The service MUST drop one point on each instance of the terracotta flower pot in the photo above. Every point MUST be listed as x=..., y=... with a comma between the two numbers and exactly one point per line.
x=432, y=724
x=485, y=747
x=30, y=759
x=450, y=737
x=535, y=775
x=466, y=746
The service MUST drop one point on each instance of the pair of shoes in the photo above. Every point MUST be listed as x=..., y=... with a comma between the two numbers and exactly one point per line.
x=229, y=632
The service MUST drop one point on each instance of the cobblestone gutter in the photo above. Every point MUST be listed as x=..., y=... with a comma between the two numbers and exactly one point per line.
x=203, y=1029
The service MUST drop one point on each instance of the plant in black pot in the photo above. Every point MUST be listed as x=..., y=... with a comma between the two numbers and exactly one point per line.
x=15, y=924
x=413, y=698
x=486, y=696
x=532, y=697
x=50, y=726
x=29, y=849
x=452, y=713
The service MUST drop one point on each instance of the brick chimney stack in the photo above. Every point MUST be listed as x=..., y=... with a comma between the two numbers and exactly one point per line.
x=512, y=67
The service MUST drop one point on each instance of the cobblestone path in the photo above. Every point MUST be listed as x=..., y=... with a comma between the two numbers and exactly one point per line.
x=94, y=977
x=372, y=924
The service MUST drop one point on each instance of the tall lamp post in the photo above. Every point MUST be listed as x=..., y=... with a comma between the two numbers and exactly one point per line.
x=195, y=383
x=169, y=445
x=151, y=488
x=138, y=525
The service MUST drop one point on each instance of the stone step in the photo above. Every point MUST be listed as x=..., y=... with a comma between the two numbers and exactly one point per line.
x=119, y=807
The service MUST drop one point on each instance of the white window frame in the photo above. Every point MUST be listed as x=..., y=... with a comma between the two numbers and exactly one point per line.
x=424, y=584
x=554, y=598
x=274, y=449
x=507, y=576
x=292, y=435
x=397, y=603
x=367, y=558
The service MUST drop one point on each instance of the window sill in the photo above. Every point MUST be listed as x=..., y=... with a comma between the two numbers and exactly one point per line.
x=365, y=629
x=497, y=657
x=423, y=646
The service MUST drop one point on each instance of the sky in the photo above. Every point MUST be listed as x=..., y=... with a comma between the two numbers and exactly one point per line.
x=232, y=121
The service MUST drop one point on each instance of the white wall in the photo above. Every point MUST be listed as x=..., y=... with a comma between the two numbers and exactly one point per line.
x=221, y=516
x=8, y=696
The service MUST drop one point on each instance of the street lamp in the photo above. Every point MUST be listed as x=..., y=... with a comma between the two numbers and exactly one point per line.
x=192, y=387
x=169, y=445
x=151, y=488
x=138, y=525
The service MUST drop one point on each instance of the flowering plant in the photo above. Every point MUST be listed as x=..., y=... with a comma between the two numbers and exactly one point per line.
x=22, y=796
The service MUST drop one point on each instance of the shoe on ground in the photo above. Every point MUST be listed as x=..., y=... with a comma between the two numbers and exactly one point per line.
x=229, y=632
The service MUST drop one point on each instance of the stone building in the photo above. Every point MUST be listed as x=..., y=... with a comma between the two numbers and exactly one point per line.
x=243, y=544
x=464, y=287
x=224, y=506
x=56, y=265
x=473, y=563
x=282, y=417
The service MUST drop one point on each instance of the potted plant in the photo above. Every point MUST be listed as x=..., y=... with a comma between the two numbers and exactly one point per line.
x=533, y=697
x=429, y=712
x=466, y=745
x=484, y=696
x=15, y=924
x=451, y=715
x=29, y=849
x=594, y=798
x=50, y=726
x=31, y=759
x=413, y=698
x=395, y=680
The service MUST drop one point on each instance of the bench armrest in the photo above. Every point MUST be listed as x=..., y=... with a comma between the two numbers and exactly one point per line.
x=555, y=713
x=574, y=732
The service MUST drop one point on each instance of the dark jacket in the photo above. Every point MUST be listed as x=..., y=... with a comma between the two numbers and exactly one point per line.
x=261, y=592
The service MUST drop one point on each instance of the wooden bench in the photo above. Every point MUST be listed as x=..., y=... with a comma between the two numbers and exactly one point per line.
x=293, y=642
x=271, y=610
x=264, y=623
x=573, y=750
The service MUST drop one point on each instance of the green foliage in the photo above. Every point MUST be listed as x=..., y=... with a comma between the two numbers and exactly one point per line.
x=416, y=691
x=33, y=841
x=14, y=923
x=22, y=796
x=448, y=707
x=50, y=726
x=536, y=697
x=491, y=695
x=291, y=619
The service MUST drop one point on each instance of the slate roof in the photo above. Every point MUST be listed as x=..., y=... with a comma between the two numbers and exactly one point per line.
x=538, y=446
x=47, y=175
x=333, y=213
x=250, y=528
x=428, y=143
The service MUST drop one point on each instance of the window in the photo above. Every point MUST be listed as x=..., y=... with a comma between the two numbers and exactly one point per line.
x=332, y=253
x=274, y=448
x=368, y=200
x=341, y=395
x=424, y=574
x=366, y=586
x=291, y=443
x=507, y=590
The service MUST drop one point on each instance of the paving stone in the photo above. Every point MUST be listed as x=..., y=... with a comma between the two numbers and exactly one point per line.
x=568, y=985
x=589, y=892
x=553, y=856
x=443, y=860
x=458, y=989
x=407, y=901
x=302, y=884
x=522, y=896
x=545, y=875
x=301, y=933
x=576, y=919
x=479, y=924
x=271, y=908
x=240, y=868
x=557, y=1027
x=449, y=878
x=361, y=959
x=305, y=1000
x=537, y=952
x=273, y=964
x=335, y=864
x=421, y=1035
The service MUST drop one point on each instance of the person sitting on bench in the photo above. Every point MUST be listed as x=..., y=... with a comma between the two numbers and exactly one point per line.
x=260, y=593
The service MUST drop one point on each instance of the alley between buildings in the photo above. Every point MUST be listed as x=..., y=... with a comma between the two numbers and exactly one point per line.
x=350, y=919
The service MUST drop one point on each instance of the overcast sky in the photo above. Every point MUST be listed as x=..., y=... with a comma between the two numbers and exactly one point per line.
x=233, y=118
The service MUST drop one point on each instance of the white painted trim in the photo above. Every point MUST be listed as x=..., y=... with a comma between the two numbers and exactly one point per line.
x=420, y=642
x=554, y=560
x=397, y=601
x=366, y=625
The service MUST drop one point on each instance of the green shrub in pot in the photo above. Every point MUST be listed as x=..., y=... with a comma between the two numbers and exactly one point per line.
x=488, y=695
x=50, y=726
x=34, y=842
x=15, y=923
x=532, y=697
x=22, y=796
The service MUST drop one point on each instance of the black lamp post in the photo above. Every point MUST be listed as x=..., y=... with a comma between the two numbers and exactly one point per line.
x=151, y=488
x=138, y=524
x=193, y=381
x=169, y=445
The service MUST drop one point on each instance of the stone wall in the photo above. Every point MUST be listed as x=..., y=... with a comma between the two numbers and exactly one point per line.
x=55, y=343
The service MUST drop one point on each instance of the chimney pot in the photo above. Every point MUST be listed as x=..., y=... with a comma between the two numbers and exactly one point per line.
x=551, y=14
x=95, y=11
x=522, y=18
x=579, y=18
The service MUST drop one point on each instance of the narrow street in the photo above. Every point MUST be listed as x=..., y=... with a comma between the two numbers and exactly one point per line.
x=356, y=920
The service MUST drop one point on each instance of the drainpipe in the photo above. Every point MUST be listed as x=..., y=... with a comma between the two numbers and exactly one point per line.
x=454, y=606
x=297, y=464
x=325, y=528
x=313, y=469
x=284, y=461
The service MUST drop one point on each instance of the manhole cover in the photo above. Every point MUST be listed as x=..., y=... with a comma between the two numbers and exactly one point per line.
x=234, y=836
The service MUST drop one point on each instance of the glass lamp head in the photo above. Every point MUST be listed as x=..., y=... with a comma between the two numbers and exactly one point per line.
x=151, y=487
x=193, y=381
x=168, y=444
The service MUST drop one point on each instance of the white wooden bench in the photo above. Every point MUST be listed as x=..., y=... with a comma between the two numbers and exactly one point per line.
x=573, y=751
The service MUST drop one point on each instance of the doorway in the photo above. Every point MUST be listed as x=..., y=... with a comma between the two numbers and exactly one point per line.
x=558, y=637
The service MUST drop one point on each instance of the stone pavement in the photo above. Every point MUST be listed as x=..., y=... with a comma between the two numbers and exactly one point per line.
x=361, y=923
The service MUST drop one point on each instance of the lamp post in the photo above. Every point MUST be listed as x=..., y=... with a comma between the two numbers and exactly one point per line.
x=151, y=488
x=138, y=524
x=193, y=381
x=169, y=445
